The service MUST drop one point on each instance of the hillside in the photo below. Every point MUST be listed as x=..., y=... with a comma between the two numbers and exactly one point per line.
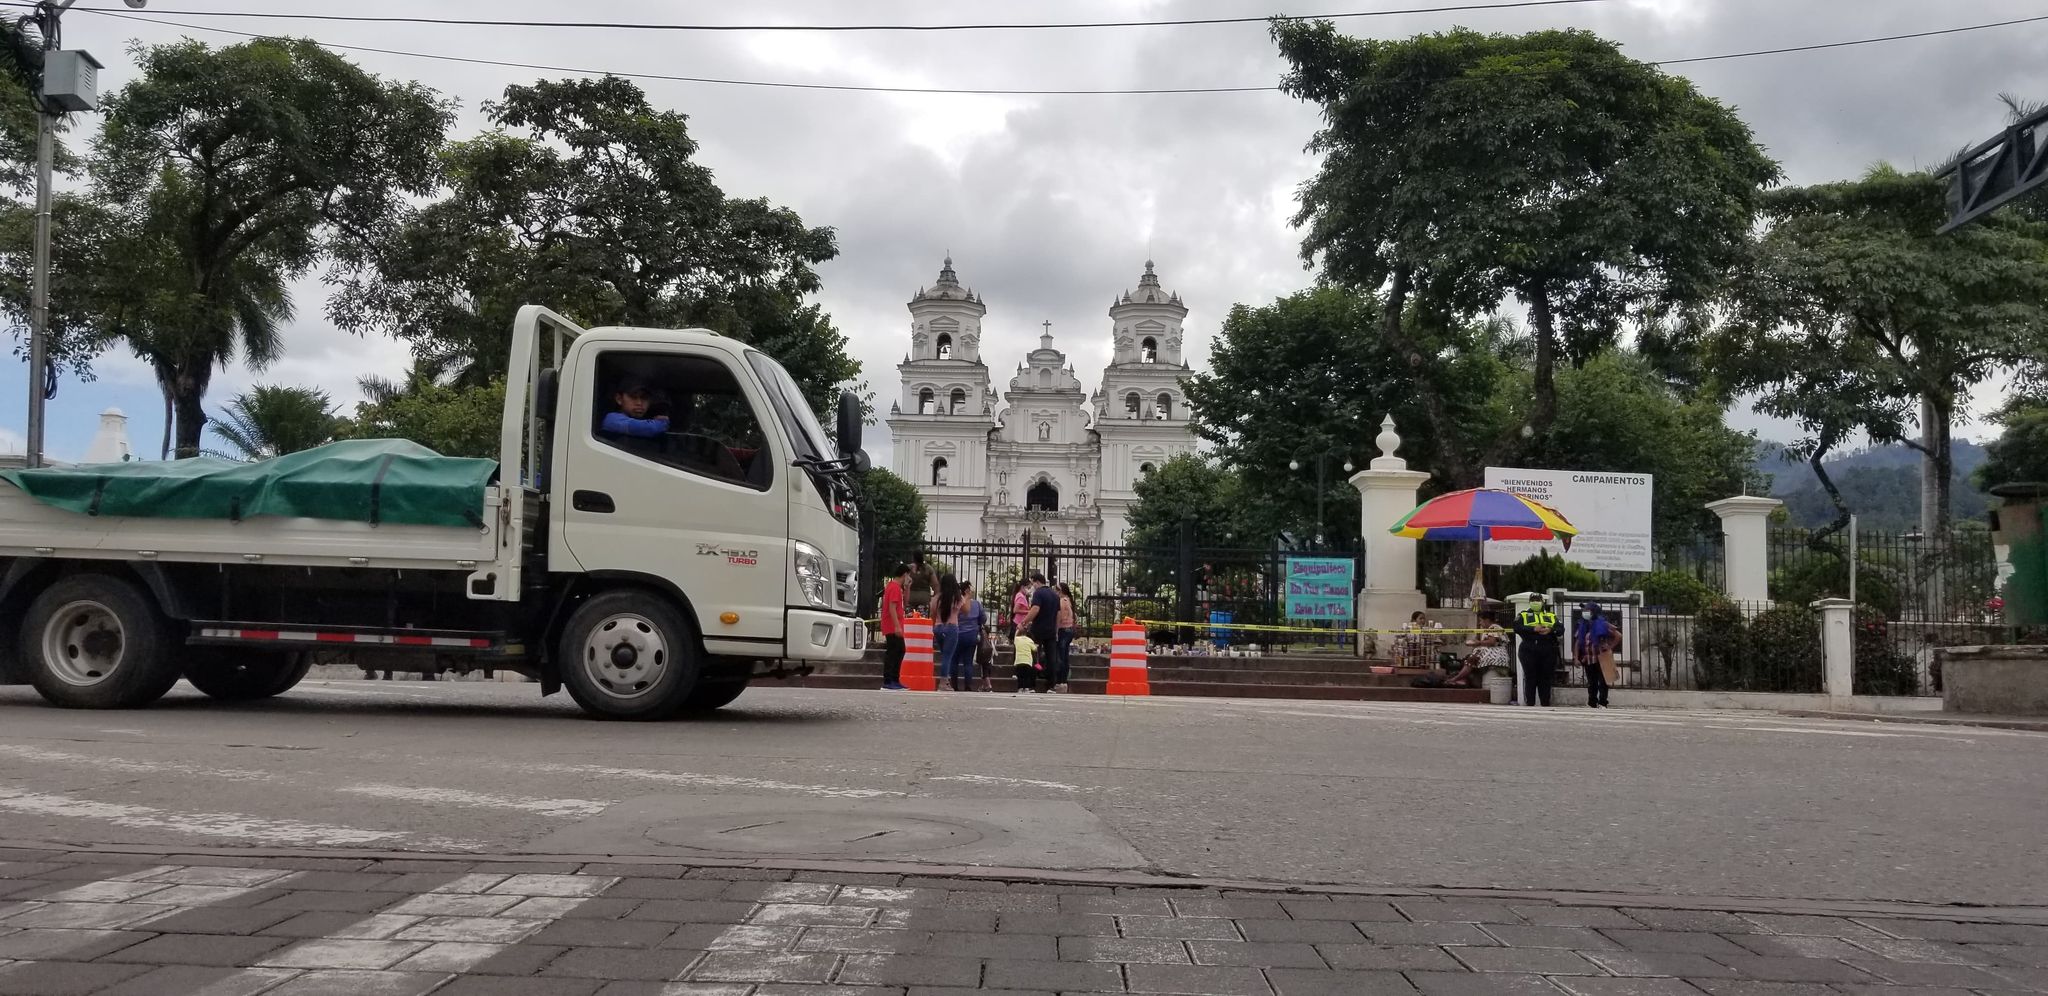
x=1881, y=485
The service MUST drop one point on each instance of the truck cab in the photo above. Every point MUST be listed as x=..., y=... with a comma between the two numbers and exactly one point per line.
x=691, y=460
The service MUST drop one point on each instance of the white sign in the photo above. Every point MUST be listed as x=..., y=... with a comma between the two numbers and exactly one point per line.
x=1612, y=512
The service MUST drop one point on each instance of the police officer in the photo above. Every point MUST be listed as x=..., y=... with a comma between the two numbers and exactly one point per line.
x=1536, y=636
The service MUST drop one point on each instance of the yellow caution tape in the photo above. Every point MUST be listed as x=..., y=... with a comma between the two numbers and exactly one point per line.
x=1311, y=631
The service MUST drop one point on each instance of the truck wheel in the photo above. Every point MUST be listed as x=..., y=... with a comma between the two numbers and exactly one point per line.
x=235, y=675
x=629, y=655
x=96, y=642
x=709, y=695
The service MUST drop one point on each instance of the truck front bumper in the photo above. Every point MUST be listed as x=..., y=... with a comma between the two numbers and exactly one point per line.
x=824, y=636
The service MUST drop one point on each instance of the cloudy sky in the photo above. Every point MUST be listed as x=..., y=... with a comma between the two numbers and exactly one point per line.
x=1051, y=204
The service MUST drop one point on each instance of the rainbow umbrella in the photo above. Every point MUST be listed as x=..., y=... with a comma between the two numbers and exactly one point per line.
x=1485, y=514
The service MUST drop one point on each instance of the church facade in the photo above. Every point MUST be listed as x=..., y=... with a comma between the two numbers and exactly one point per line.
x=1044, y=456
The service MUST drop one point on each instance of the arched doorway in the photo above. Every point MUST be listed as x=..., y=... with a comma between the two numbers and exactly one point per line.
x=1043, y=496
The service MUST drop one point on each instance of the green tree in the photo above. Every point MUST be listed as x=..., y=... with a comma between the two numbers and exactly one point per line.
x=1189, y=488
x=585, y=198
x=2020, y=453
x=1309, y=376
x=1460, y=169
x=1617, y=415
x=450, y=419
x=898, y=510
x=229, y=172
x=1855, y=272
x=272, y=420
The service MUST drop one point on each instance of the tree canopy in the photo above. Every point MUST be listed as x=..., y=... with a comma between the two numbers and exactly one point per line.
x=1309, y=376
x=898, y=509
x=2020, y=453
x=587, y=199
x=272, y=420
x=1461, y=169
x=223, y=173
x=1855, y=272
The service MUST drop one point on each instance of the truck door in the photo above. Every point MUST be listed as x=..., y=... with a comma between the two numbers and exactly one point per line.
x=671, y=471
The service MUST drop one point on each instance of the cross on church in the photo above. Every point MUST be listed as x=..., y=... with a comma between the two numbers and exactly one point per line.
x=1048, y=326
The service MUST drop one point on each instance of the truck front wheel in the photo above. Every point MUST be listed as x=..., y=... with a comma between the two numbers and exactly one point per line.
x=91, y=641
x=629, y=655
x=238, y=675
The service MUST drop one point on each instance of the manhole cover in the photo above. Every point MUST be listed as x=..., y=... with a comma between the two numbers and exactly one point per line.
x=814, y=833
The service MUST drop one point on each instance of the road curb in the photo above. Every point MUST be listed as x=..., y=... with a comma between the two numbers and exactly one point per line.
x=2034, y=915
x=1985, y=722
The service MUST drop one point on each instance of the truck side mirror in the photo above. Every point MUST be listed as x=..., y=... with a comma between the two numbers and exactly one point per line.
x=849, y=425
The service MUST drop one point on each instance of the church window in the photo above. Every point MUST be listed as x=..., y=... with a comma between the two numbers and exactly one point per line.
x=1131, y=405
x=959, y=403
x=1144, y=469
x=1045, y=379
x=939, y=470
x=945, y=346
x=1043, y=496
x=1162, y=409
x=1148, y=351
x=924, y=401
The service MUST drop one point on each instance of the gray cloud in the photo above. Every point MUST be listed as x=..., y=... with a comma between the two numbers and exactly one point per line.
x=1050, y=205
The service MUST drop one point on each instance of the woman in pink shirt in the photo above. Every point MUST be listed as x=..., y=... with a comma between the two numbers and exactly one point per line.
x=1020, y=603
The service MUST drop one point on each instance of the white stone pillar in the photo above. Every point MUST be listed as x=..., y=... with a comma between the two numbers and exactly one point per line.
x=1745, y=529
x=1838, y=647
x=1387, y=490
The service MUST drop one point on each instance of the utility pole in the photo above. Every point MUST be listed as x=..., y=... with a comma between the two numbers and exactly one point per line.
x=68, y=81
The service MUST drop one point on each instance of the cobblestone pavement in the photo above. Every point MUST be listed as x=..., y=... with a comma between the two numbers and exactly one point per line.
x=157, y=924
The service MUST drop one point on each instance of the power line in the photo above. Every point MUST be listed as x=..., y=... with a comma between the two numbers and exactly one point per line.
x=991, y=26
x=1003, y=92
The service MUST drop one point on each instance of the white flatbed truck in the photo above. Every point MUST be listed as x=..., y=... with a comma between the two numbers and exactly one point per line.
x=649, y=574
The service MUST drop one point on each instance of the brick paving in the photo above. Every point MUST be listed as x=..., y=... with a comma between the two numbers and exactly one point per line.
x=115, y=924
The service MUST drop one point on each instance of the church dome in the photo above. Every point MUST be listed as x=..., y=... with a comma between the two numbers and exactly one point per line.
x=1149, y=291
x=947, y=289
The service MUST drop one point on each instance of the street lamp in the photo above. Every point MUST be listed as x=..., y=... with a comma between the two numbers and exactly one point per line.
x=70, y=82
x=1322, y=486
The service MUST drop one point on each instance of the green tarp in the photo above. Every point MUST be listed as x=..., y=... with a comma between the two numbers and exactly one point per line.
x=362, y=480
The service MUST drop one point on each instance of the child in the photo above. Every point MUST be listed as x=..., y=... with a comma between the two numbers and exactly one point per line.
x=985, y=655
x=631, y=419
x=1028, y=667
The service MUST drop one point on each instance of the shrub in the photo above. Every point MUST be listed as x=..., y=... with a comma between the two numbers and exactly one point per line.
x=1545, y=571
x=1144, y=609
x=1880, y=668
x=1784, y=650
x=1720, y=646
x=1677, y=591
x=1823, y=575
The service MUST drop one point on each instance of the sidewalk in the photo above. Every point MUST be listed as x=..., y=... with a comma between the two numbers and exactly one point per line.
x=131, y=923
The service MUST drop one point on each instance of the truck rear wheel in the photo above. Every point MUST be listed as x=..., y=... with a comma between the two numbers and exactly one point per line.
x=710, y=695
x=629, y=655
x=91, y=641
x=237, y=675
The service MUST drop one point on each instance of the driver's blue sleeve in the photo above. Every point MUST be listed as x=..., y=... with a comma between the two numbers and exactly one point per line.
x=620, y=423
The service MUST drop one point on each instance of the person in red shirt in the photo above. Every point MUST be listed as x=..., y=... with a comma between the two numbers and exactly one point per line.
x=892, y=628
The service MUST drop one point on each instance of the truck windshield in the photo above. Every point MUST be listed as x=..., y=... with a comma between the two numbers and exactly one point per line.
x=790, y=406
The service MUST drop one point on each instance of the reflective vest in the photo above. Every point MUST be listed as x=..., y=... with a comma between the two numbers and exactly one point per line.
x=1537, y=616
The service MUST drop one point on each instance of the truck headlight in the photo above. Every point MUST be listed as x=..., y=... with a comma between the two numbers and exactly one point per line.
x=814, y=575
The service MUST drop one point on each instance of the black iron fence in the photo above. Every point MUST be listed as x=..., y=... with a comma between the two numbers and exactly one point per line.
x=1730, y=646
x=1200, y=597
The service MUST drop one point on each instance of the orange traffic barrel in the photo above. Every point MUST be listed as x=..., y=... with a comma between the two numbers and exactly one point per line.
x=918, y=672
x=1127, y=671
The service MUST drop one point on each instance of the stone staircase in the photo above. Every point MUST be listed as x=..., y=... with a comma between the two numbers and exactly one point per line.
x=1322, y=677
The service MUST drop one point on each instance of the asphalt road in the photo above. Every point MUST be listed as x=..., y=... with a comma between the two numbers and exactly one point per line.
x=1727, y=804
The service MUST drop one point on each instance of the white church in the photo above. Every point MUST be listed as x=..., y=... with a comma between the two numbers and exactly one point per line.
x=1049, y=458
